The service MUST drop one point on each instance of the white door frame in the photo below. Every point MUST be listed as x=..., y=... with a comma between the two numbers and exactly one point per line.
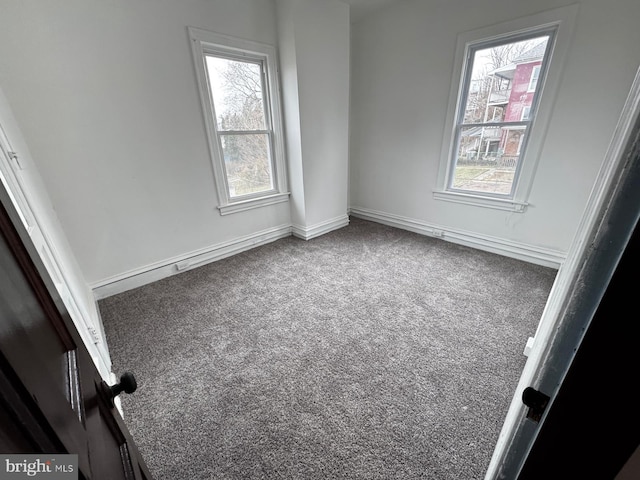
x=509, y=447
x=17, y=178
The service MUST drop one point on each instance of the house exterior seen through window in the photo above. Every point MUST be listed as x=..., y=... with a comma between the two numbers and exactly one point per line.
x=240, y=100
x=496, y=110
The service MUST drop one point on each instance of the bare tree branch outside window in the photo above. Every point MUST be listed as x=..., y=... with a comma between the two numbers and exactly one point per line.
x=237, y=91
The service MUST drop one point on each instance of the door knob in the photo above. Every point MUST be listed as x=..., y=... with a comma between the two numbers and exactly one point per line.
x=108, y=393
x=536, y=401
x=127, y=384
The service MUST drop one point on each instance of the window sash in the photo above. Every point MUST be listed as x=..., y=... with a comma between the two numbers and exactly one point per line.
x=268, y=154
x=463, y=99
x=495, y=124
x=522, y=126
x=244, y=132
x=268, y=131
x=264, y=86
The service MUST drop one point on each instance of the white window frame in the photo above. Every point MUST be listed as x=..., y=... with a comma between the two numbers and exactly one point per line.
x=561, y=21
x=204, y=42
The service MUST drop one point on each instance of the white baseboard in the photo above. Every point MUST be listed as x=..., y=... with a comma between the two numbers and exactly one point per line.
x=159, y=270
x=528, y=253
x=307, y=233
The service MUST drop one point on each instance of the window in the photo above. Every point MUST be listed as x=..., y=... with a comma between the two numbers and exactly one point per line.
x=533, y=81
x=241, y=106
x=499, y=110
x=491, y=122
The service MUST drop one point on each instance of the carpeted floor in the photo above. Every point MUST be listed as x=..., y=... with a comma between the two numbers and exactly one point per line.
x=366, y=353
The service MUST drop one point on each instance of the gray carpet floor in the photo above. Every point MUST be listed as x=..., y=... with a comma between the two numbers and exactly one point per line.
x=366, y=353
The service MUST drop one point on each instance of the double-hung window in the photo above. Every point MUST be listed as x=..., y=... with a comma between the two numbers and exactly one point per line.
x=491, y=131
x=241, y=106
x=499, y=109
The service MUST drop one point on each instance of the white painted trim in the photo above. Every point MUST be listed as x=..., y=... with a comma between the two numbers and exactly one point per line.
x=171, y=266
x=550, y=324
x=253, y=203
x=564, y=19
x=307, y=233
x=480, y=201
x=12, y=169
x=508, y=248
x=204, y=41
x=10, y=179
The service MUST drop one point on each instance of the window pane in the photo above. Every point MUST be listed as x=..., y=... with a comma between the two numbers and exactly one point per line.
x=247, y=160
x=533, y=83
x=500, y=80
x=487, y=158
x=236, y=88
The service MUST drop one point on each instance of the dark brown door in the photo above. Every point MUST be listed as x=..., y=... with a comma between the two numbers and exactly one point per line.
x=52, y=398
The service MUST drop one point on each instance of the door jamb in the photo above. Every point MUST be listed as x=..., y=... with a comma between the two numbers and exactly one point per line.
x=14, y=164
x=609, y=178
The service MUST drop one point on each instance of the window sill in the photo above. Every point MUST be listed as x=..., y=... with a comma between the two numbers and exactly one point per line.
x=482, y=201
x=253, y=203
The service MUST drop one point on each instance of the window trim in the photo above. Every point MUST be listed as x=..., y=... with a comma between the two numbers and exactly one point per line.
x=562, y=20
x=204, y=42
x=525, y=125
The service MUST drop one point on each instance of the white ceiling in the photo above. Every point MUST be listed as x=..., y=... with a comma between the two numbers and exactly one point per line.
x=360, y=8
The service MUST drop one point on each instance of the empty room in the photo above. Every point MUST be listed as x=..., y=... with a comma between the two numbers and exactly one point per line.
x=301, y=239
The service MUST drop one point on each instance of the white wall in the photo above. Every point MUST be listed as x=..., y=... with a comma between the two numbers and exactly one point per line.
x=30, y=197
x=106, y=97
x=291, y=107
x=314, y=57
x=402, y=63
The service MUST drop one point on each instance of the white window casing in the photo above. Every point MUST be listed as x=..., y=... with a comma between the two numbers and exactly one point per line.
x=558, y=23
x=205, y=43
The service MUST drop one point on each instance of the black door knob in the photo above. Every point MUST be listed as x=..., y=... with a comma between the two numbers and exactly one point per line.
x=536, y=401
x=127, y=384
